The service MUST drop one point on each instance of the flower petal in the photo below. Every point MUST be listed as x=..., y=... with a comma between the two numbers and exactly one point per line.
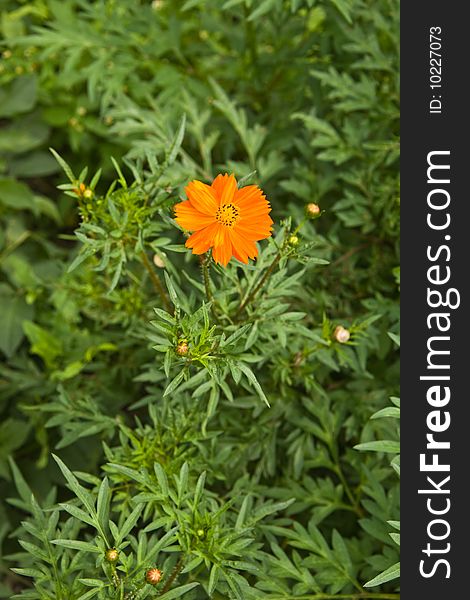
x=245, y=248
x=250, y=196
x=218, y=185
x=230, y=188
x=203, y=197
x=254, y=230
x=189, y=218
x=241, y=257
x=222, y=251
x=203, y=239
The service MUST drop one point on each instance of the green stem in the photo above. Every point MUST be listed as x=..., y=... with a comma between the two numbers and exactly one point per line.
x=339, y=471
x=299, y=226
x=174, y=574
x=251, y=45
x=205, y=272
x=57, y=580
x=261, y=283
x=11, y=247
x=157, y=284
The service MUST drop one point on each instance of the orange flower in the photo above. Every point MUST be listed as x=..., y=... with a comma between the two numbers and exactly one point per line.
x=227, y=219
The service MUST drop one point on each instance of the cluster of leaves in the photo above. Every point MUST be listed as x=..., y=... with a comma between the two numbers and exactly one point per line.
x=208, y=422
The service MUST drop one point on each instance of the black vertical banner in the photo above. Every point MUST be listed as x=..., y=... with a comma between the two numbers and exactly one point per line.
x=435, y=339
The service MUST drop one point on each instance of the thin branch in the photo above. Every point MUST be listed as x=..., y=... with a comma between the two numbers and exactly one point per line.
x=174, y=574
x=264, y=279
x=205, y=272
x=157, y=284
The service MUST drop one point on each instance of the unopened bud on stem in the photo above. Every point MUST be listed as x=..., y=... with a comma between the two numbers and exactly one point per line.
x=158, y=262
x=341, y=334
x=112, y=555
x=153, y=576
x=293, y=240
x=182, y=348
x=312, y=210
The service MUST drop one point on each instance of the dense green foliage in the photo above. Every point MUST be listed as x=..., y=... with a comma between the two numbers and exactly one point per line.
x=207, y=422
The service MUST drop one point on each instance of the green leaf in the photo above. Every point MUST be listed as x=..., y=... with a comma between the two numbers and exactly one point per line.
x=16, y=195
x=171, y=291
x=77, y=545
x=78, y=513
x=161, y=478
x=122, y=179
x=391, y=573
x=67, y=170
x=345, y=8
x=262, y=9
x=29, y=572
x=213, y=579
x=103, y=502
x=174, y=383
x=14, y=311
x=13, y=434
x=341, y=551
x=78, y=490
x=254, y=382
x=178, y=592
x=129, y=523
x=388, y=411
x=178, y=139
x=182, y=482
x=85, y=253
x=43, y=343
x=19, y=96
x=90, y=594
x=380, y=446
x=23, y=488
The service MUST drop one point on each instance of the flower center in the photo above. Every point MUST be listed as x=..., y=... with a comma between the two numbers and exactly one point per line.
x=227, y=215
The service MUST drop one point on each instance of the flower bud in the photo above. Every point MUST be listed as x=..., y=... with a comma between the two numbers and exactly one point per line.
x=182, y=348
x=158, y=262
x=341, y=334
x=153, y=576
x=111, y=555
x=293, y=240
x=80, y=190
x=312, y=210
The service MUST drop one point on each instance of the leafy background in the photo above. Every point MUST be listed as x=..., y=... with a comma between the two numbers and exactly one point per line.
x=179, y=462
